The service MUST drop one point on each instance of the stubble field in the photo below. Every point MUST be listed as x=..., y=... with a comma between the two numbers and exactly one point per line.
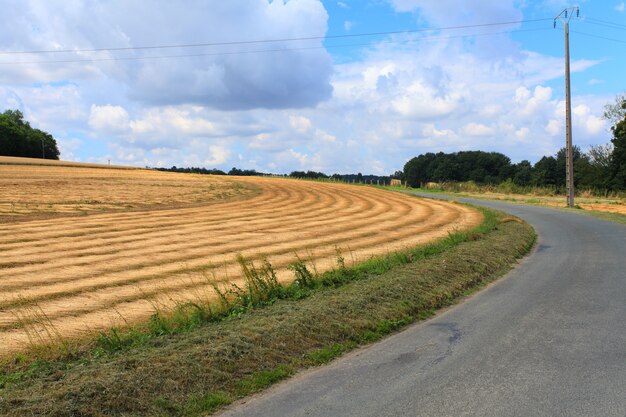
x=86, y=248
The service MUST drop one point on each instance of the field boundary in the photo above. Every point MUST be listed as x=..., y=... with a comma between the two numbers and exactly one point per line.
x=16, y=160
x=196, y=370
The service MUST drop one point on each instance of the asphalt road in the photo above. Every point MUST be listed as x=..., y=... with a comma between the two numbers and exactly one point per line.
x=549, y=339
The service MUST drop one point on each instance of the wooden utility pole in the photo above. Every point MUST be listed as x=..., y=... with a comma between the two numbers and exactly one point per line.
x=565, y=16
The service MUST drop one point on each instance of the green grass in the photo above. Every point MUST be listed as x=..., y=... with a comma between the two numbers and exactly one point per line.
x=212, y=355
x=613, y=217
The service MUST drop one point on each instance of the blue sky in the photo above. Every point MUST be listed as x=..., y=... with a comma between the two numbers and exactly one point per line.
x=341, y=100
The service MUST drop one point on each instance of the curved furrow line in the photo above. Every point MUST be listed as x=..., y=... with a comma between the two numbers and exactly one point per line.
x=16, y=272
x=103, y=299
x=140, y=231
x=254, y=239
x=52, y=228
x=198, y=258
x=258, y=226
x=175, y=225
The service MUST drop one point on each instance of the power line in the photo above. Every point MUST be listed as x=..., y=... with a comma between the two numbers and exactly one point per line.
x=597, y=36
x=351, y=45
x=605, y=23
x=259, y=41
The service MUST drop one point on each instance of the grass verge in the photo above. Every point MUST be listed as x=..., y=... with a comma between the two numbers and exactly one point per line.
x=194, y=369
x=529, y=199
x=612, y=217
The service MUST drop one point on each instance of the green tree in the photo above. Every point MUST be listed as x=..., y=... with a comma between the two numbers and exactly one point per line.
x=544, y=172
x=617, y=165
x=523, y=173
x=418, y=170
x=616, y=111
x=18, y=138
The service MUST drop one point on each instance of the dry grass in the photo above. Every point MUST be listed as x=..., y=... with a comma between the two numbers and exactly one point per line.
x=30, y=192
x=585, y=202
x=88, y=273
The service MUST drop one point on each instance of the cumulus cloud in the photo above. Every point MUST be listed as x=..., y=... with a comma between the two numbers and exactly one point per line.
x=592, y=124
x=108, y=118
x=299, y=123
x=232, y=77
x=478, y=129
x=554, y=127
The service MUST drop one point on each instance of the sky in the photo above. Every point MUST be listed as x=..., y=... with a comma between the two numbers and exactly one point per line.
x=334, y=86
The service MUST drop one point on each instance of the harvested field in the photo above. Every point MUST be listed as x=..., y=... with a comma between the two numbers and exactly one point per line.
x=29, y=192
x=68, y=276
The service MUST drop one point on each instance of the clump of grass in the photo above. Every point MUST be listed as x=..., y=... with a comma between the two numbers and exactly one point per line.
x=261, y=286
x=43, y=336
x=303, y=277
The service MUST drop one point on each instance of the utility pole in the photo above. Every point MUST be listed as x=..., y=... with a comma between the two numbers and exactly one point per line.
x=565, y=16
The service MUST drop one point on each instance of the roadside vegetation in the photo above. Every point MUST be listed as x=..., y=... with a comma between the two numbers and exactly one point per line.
x=203, y=356
x=612, y=208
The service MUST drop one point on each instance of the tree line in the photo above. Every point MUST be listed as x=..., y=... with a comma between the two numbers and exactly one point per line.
x=602, y=167
x=314, y=175
x=18, y=138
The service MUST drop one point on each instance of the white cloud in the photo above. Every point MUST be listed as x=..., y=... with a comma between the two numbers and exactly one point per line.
x=224, y=77
x=522, y=133
x=554, y=127
x=299, y=123
x=620, y=7
x=217, y=156
x=68, y=147
x=324, y=137
x=347, y=25
x=108, y=118
x=478, y=129
x=173, y=121
x=582, y=116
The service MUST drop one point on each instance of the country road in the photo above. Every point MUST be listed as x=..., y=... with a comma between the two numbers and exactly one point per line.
x=549, y=339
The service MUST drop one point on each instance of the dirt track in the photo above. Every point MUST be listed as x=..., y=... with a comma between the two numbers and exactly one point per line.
x=81, y=274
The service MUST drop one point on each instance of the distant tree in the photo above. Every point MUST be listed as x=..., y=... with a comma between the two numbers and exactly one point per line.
x=600, y=155
x=617, y=165
x=523, y=173
x=418, y=170
x=18, y=138
x=477, y=166
x=561, y=158
x=544, y=172
x=616, y=111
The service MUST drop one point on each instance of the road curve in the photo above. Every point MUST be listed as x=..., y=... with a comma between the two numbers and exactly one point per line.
x=549, y=339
